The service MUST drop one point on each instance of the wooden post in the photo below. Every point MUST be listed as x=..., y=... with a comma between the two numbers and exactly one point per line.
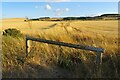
x=27, y=47
x=98, y=64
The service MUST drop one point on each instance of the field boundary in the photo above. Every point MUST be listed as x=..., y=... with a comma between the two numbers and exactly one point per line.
x=98, y=51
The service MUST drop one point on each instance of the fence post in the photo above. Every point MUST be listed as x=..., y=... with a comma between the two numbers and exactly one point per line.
x=27, y=46
x=99, y=64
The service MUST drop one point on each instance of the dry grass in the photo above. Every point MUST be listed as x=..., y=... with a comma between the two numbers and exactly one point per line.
x=53, y=60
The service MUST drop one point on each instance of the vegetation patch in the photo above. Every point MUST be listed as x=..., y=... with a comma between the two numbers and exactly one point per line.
x=12, y=32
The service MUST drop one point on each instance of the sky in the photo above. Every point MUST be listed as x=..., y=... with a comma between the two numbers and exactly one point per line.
x=60, y=0
x=56, y=9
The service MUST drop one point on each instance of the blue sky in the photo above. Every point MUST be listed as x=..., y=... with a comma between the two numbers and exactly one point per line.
x=56, y=9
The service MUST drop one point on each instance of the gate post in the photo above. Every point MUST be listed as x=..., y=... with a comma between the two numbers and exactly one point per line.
x=99, y=64
x=27, y=46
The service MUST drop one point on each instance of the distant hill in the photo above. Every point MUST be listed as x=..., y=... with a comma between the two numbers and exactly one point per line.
x=101, y=17
x=110, y=16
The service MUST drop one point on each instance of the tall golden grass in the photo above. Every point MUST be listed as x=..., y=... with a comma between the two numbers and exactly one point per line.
x=46, y=60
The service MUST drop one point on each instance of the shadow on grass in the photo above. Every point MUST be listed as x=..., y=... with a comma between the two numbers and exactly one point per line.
x=32, y=70
x=110, y=69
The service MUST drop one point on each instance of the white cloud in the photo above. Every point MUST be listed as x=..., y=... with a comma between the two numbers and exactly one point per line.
x=48, y=7
x=66, y=9
x=59, y=12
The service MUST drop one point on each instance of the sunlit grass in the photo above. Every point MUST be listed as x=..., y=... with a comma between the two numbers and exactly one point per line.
x=58, y=59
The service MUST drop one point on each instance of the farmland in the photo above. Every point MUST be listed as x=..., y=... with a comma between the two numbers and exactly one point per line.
x=46, y=60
